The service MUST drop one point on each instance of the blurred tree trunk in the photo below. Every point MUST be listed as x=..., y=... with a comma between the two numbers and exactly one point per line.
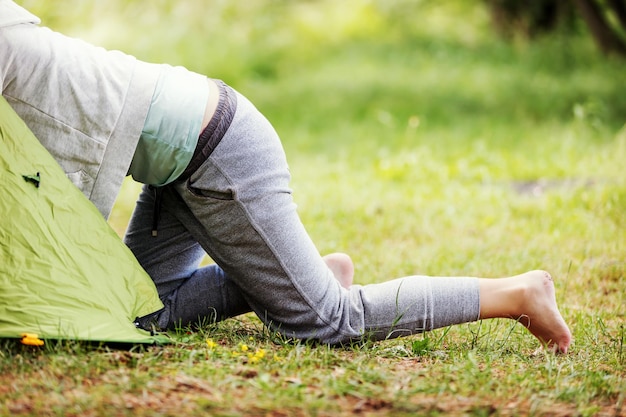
x=530, y=19
x=605, y=37
x=619, y=7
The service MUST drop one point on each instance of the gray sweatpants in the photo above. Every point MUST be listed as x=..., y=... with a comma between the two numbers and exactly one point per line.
x=238, y=208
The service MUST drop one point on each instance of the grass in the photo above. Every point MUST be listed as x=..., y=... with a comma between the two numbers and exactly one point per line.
x=429, y=148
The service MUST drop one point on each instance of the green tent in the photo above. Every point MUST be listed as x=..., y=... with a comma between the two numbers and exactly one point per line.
x=64, y=273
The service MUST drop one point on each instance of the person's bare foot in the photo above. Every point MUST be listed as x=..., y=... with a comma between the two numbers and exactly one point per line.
x=540, y=313
x=342, y=268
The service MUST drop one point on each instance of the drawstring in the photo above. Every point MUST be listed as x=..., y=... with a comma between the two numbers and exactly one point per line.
x=156, y=214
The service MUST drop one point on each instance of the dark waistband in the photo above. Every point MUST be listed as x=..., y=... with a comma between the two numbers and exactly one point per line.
x=215, y=130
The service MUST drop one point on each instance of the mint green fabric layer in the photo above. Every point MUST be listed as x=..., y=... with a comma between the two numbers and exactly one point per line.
x=64, y=272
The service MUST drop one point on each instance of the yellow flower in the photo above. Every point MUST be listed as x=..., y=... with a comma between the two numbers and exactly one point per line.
x=256, y=356
x=210, y=343
x=243, y=347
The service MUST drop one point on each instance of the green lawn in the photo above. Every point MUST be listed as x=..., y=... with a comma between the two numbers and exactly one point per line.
x=420, y=144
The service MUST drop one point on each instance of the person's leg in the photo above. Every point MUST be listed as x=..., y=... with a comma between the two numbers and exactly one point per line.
x=241, y=211
x=530, y=299
x=171, y=259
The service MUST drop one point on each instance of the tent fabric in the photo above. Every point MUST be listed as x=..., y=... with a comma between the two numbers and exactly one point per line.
x=64, y=272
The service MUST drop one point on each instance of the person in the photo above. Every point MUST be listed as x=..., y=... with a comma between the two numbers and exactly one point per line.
x=217, y=182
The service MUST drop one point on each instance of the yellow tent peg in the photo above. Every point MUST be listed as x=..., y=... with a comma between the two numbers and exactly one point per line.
x=31, y=339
